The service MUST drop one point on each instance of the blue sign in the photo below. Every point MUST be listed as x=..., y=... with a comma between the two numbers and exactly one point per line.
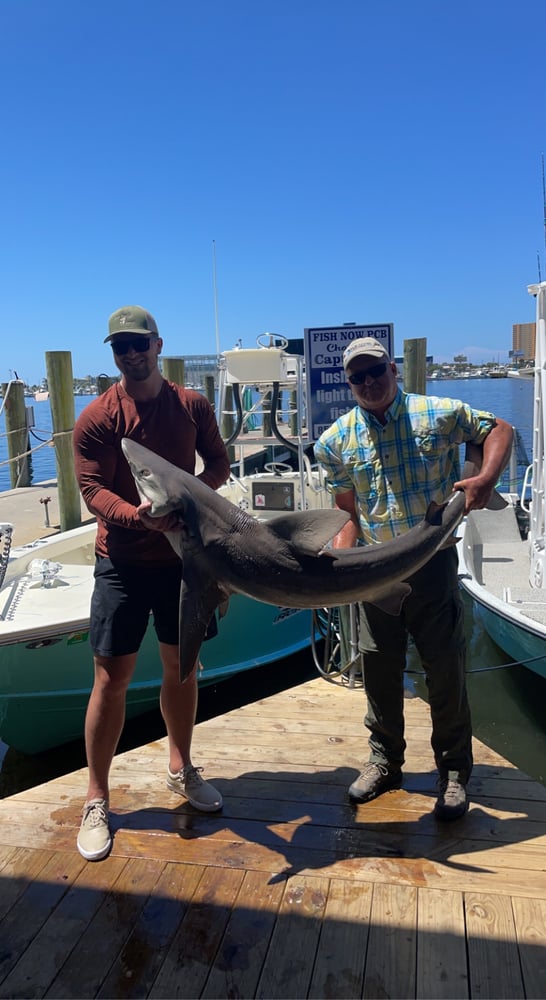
x=328, y=393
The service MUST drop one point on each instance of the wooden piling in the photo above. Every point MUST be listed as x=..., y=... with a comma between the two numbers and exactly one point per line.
x=103, y=383
x=173, y=370
x=61, y=397
x=17, y=432
x=210, y=391
x=415, y=353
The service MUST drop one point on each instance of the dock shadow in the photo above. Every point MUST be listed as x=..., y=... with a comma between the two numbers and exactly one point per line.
x=324, y=826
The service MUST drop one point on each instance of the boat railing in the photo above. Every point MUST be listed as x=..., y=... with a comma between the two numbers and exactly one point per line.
x=525, y=495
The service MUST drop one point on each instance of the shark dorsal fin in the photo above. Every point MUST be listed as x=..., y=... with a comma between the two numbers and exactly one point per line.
x=310, y=530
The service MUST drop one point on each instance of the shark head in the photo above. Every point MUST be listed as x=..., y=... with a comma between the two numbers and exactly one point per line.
x=156, y=479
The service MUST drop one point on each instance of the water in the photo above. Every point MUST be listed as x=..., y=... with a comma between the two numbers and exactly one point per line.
x=43, y=459
x=507, y=397
x=507, y=701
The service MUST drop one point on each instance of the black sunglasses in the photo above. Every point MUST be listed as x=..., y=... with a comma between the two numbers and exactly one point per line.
x=376, y=371
x=139, y=344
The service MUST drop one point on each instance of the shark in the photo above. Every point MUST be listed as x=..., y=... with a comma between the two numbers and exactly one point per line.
x=284, y=561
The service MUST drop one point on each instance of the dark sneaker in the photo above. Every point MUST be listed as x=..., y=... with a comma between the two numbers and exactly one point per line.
x=375, y=779
x=451, y=802
x=94, y=840
x=189, y=783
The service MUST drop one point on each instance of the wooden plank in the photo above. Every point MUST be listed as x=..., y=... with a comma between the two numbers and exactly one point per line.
x=441, y=950
x=87, y=965
x=192, y=904
x=139, y=962
x=298, y=782
x=193, y=950
x=288, y=965
x=382, y=827
x=237, y=965
x=530, y=921
x=339, y=964
x=46, y=953
x=21, y=866
x=37, y=902
x=494, y=969
x=391, y=957
x=333, y=746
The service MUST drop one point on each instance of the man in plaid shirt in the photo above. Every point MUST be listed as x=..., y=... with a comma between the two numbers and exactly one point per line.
x=386, y=460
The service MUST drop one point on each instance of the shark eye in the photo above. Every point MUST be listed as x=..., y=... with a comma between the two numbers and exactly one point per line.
x=145, y=472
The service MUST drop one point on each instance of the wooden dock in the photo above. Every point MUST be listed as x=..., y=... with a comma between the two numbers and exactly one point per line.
x=288, y=892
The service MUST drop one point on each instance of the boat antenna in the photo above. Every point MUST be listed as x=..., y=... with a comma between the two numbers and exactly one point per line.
x=215, y=298
x=544, y=199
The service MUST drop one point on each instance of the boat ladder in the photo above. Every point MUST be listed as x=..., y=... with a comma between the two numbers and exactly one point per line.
x=6, y=535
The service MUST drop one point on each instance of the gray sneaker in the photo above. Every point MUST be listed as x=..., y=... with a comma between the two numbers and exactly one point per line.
x=375, y=779
x=94, y=840
x=189, y=783
x=451, y=802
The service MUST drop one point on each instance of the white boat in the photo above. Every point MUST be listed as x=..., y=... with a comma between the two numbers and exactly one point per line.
x=45, y=661
x=503, y=553
x=526, y=371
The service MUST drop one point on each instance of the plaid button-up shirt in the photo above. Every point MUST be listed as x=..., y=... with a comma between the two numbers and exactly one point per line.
x=396, y=469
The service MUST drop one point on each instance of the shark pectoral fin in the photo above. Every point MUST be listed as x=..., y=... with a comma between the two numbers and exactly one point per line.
x=197, y=607
x=448, y=543
x=223, y=608
x=392, y=602
x=496, y=501
x=310, y=530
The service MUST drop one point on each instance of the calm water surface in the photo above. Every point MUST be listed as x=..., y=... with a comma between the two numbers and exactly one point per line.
x=507, y=700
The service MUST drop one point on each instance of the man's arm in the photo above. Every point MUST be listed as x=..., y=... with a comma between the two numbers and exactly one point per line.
x=496, y=452
x=350, y=532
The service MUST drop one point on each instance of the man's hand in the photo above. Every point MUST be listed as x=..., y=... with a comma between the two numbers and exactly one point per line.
x=169, y=522
x=477, y=492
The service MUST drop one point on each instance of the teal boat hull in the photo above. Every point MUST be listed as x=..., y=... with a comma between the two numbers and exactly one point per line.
x=45, y=684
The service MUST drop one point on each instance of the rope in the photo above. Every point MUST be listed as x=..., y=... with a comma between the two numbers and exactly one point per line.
x=50, y=442
x=8, y=387
x=24, y=454
x=484, y=670
x=18, y=430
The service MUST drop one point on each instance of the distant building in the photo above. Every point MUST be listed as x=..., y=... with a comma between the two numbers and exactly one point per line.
x=197, y=366
x=524, y=341
x=399, y=361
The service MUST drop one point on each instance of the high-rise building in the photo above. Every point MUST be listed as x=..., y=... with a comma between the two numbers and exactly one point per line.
x=523, y=341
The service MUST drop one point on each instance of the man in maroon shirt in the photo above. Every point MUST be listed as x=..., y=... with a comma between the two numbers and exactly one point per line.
x=137, y=571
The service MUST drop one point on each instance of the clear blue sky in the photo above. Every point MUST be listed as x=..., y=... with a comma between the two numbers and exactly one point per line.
x=352, y=160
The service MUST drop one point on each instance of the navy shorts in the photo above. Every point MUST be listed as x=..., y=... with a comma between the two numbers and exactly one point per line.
x=123, y=598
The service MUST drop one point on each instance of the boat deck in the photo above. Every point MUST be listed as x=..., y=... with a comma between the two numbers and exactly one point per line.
x=501, y=562
x=288, y=892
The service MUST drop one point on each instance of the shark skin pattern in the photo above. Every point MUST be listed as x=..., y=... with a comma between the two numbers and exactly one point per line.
x=283, y=561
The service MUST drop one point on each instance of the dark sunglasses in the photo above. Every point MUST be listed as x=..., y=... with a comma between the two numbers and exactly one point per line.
x=376, y=371
x=139, y=344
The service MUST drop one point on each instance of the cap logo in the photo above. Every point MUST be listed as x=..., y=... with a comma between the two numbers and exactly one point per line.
x=123, y=319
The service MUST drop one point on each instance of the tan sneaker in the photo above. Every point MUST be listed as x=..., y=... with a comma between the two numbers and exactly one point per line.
x=94, y=840
x=189, y=783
